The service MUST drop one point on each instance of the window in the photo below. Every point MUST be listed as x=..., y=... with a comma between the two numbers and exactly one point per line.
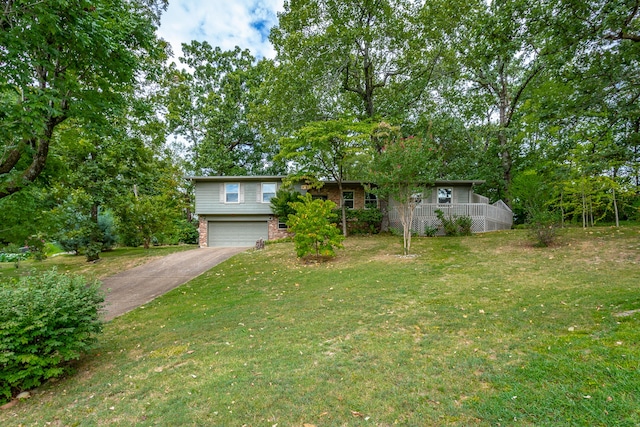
x=319, y=197
x=282, y=225
x=268, y=191
x=370, y=201
x=232, y=193
x=416, y=198
x=347, y=199
x=445, y=195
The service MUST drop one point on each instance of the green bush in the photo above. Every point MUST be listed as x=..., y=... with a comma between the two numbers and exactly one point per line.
x=314, y=233
x=281, y=203
x=362, y=221
x=430, y=231
x=543, y=228
x=455, y=225
x=464, y=224
x=45, y=321
x=36, y=244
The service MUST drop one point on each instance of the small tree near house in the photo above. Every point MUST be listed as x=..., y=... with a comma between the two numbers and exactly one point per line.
x=316, y=233
x=330, y=149
x=403, y=170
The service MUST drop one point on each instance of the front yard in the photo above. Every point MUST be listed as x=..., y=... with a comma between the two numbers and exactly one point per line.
x=482, y=330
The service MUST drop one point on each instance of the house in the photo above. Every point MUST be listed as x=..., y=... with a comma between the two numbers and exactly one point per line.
x=236, y=211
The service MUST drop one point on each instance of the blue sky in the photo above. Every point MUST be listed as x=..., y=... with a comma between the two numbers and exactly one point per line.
x=223, y=23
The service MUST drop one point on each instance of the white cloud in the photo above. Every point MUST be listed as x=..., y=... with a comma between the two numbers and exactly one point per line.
x=223, y=23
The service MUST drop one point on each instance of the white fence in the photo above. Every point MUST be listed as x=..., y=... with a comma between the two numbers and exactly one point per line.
x=485, y=217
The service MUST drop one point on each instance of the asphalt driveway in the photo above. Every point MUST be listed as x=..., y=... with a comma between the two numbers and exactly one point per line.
x=132, y=288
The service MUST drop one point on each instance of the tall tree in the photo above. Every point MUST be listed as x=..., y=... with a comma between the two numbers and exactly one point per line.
x=64, y=61
x=336, y=57
x=503, y=53
x=210, y=105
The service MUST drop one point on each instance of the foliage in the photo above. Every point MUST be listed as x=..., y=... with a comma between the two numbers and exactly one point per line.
x=315, y=233
x=543, y=228
x=530, y=195
x=24, y=214
x=35, y=245
x=330, y=149
x=455, y=226
x=403, y=170
x=74, y=63
x=404, y=338
x=363, y=221
x=13, y=253
x=281, y=203
x=210, y=104
x=366, y=59
x=186, y=232
x=430, y=230
x=45, y=321
x=141, y=218
x=107, y=227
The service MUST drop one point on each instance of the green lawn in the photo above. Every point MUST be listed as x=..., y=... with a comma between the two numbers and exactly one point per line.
x=483, y=330
x=110, y=262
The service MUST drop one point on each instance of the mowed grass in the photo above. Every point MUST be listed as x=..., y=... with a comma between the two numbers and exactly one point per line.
x=484, y=330
x=111, y=262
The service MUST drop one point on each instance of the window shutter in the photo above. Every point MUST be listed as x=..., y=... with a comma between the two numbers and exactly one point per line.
x=221, y=188
x=241, y=191
x=258, y=192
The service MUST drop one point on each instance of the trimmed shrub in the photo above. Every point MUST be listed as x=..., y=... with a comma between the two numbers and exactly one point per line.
x=45, y=321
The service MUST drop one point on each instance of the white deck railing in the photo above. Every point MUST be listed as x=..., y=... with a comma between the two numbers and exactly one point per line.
x=485, y=217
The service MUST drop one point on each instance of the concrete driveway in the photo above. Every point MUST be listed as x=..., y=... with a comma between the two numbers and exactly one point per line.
x=132, y=288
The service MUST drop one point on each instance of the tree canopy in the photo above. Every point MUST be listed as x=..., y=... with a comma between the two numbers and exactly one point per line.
x=510, y=92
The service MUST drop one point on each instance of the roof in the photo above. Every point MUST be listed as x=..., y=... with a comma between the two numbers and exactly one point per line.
x=228, y=178
x=250, y=178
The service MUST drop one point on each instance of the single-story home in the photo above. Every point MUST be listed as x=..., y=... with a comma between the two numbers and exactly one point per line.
x=236, y=210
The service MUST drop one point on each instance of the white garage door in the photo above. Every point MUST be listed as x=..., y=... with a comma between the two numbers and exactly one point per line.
x=236, y=233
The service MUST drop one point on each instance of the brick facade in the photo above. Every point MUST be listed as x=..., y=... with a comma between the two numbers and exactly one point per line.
x=275, y=232
x=332, y=193
x=203, y=229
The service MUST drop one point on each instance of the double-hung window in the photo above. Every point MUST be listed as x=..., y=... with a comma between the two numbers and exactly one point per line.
x=347, y=199
x=232, y=193
x=445, y=195
x=370, y=201
x=268, y=191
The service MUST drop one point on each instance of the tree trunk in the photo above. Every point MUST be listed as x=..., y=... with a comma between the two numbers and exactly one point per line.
x=384, y=210
x=344, y=210
x=615, y=207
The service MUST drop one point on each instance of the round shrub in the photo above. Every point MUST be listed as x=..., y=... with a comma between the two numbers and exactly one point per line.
x=45, y=321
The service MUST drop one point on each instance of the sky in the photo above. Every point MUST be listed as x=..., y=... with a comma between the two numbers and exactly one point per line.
x=223, y=23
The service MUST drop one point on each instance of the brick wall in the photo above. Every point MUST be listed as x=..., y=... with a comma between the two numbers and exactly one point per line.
x=333, y=193
x=276, y=233
x=203, y=231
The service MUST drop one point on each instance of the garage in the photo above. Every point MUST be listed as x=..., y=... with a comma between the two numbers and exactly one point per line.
x=236, y=233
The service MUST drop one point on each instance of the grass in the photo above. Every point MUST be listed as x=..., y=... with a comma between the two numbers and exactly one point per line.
x=111, y=262
x=483, y=330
